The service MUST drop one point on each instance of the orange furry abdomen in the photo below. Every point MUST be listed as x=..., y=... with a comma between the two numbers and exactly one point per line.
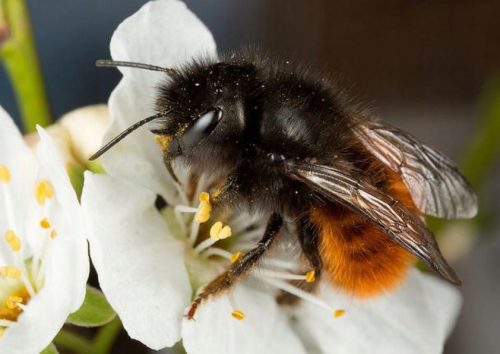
x=356, y=254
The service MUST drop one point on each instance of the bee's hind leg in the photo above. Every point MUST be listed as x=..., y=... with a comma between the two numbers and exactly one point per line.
x=241, y=267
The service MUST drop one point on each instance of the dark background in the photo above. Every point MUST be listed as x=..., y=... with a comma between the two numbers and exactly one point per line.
x=421, y=64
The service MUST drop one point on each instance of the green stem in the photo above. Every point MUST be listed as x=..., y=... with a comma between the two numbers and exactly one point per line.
x=106, y=336
x=73, y=342
x=19, y=55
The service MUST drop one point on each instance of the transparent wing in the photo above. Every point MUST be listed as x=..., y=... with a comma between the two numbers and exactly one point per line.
x=436, y=185
x=402, y=225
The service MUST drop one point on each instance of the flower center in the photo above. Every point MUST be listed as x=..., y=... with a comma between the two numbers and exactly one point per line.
x=213, y=246
x=22, y=275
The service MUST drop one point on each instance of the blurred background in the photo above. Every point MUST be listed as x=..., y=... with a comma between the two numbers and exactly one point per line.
x=429, y=67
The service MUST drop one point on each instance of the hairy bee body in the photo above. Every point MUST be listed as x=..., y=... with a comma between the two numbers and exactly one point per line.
x=286, y=143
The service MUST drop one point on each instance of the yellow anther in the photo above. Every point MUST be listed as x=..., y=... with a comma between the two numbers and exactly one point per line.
x=338, y=313
x=203, y=213
x=44, y=223
x=43, y=191
x=310, y=276
x=237, y=314
x=225, y=232
x=235, y=257
x=13, y=241
x=163, y=140
x=12, y=302
x=10, y=272
x=205, y=208
x=204, y=197
x=53, y=234
x=4, y=174
x=218, y=232
x=2, y=330
x=215, y=230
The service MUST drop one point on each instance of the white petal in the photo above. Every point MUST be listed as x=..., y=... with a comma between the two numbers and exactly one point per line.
x=140, y=266
x=71, y=251
x=265, y=328
x=415, y=319
x=163, y=33
x=19, y=159
x=66, y=265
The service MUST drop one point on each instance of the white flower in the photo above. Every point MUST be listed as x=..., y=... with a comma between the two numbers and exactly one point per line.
x=43, y=252
x=150, y=262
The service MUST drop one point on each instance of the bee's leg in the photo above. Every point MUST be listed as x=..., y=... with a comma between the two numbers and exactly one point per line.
x=308, y=238
x=241, y=266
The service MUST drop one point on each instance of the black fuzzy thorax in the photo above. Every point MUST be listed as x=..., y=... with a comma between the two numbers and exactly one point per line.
x=270, y=107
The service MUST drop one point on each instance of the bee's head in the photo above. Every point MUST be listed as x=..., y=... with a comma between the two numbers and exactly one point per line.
x=201, y=109
x=207, y=104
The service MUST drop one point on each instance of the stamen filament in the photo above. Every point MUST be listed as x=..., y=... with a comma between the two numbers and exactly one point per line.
x=289, y=288
x=281, y=275
x=185, y=209
x=215, y=251
x=27, y=284
x=279, y=263
x=204, y=245
x=6, y=323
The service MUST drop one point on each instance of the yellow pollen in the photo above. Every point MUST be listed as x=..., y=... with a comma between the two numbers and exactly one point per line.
x=163, y=140
x=203, y=213
x=215, y=230
x=44, y=223
x=53, y=234
x=237, y=314
x=43, y=191
x=10, y=272
x=310, y=276
x=235, y=257
x=218, y=232
x=204, y=197
x=12, y=302
x=13, y=241
x=338, y=313
x=4, y=174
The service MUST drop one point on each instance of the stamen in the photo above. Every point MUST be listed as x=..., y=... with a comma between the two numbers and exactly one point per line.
x=53, y=234
x=13, y=241
x=10, y=272
x=215, y=251
x=185, y=209
x=289, y=288
x=43, y=191
x=13, y=301
x=2, y=330
x=44, y=223
x=238, y=314
x=4, y=174
x=220, y=232
x=205, y=208
x=338, y=313
x=163, y=140
x=310, y=276
x=235, y=256
x=6, y=323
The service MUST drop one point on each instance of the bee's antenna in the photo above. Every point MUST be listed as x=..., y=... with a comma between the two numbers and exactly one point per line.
x=124, y=133
x=113, y=64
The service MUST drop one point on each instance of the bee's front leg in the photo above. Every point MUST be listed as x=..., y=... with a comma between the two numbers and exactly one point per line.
x=241, y=267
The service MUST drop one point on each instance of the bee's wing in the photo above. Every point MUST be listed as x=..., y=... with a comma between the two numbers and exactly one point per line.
x=435, y=184
x=402, y=225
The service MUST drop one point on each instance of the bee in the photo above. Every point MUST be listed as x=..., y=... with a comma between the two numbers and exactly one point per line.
x=288, y=144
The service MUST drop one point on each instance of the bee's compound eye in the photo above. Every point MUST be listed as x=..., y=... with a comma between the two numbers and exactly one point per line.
x=202, y=127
